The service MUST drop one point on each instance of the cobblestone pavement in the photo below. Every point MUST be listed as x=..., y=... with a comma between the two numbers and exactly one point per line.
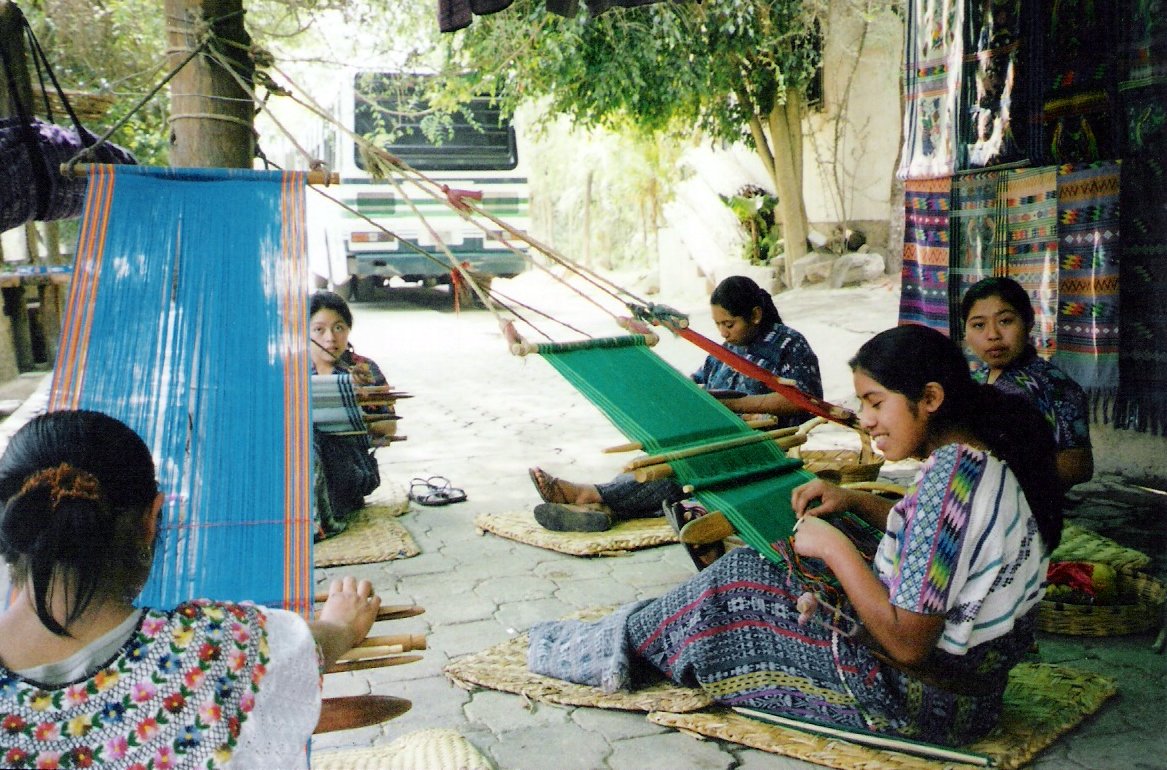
x=480, y=417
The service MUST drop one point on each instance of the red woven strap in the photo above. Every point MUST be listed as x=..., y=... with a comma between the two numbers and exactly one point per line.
x=785, y=388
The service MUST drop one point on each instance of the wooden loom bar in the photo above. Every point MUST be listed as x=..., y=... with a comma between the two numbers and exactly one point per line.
x=782, y=436
x=660, y=470
x=361, y=665
x=313, y=177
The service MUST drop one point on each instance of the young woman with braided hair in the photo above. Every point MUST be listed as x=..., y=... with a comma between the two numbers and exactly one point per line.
x=87, y=678
x=927, y=630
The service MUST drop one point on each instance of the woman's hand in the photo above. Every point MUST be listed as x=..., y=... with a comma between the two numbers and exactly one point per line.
x=819, y=498
x=817, y=539
x=345, y=618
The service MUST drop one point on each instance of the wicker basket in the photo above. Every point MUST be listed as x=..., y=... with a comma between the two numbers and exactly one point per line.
x=1139, y=609
x=842, y=466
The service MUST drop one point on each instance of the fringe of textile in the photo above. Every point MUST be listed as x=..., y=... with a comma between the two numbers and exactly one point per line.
x=1089, y=249
x=924, y=275
x=1141, y=404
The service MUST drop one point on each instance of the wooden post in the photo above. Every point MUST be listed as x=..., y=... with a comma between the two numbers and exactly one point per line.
x=12, y=41
x=16, y=347
x=211, y=115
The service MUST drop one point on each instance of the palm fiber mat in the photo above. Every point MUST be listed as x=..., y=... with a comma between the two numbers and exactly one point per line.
x=1079, y=544
x=624, y=536
x=1042, y=702
x=373, y=535
x=422, y=750
x=504, y=667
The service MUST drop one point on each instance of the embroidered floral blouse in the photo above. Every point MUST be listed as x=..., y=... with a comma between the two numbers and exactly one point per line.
x=199, y=686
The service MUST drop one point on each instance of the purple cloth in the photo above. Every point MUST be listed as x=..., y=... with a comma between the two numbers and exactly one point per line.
x=30, y=161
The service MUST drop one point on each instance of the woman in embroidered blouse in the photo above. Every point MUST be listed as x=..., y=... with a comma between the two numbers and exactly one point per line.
x=944, y=608
x=751, y=326
x=347, y=470
x=998, y=318
x=88, y=679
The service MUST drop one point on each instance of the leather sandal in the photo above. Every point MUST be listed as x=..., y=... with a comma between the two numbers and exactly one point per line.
x=547, y=486
x=561, y=517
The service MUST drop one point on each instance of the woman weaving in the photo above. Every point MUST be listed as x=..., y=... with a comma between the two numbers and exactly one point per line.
x=751, y=326
x=943, y=611
x=86, y=678
x=346, y=468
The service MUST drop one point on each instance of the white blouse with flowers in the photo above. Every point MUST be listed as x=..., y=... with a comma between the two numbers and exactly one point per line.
x=208, y=685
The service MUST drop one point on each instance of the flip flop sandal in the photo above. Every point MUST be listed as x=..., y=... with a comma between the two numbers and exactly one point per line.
x=547, y=486
x=435, y=490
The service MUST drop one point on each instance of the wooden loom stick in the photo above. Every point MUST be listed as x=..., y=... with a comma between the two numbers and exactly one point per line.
x=313, y=177
x=664, y=470
x=409, y=641
x=756, y=421
x=348, y=711
x=710, y=528
x=784, y=438
x=387, y=611
x=361, y=665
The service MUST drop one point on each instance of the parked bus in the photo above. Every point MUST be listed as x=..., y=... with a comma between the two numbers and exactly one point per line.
x=478, y=150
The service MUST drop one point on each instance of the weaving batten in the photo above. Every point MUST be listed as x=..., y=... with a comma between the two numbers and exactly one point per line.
x=215, y=375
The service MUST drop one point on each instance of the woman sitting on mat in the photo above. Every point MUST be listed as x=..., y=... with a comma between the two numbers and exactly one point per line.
x=346, y=468
x=88, y=679
x=751, y=327
x=998, y=318
x=926, y=632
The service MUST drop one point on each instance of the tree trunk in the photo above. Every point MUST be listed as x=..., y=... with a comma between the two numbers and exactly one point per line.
x=785, y=123
x=211, y=112
x=12, y=41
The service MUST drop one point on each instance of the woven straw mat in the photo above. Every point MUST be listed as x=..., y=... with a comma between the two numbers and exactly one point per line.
x=628, y=535
x=434, y=749
x=1080, y=544
x=373, y=535
x=504, y=667
x=1042, y=702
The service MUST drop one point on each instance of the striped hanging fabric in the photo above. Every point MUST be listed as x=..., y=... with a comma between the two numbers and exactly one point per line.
x=187, y=320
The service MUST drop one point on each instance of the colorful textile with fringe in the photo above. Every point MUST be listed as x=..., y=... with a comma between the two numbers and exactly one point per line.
x=1088, y=265
x=1142, y=393
x=924, y=275
x=1031, y=202
x=932, y=88
x=187, y=320
x=979, y=236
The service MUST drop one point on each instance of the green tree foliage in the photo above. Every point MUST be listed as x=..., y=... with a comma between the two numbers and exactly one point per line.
x=114, y=47
x=733, y=70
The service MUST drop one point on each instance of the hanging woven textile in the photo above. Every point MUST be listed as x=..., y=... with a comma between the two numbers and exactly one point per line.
x=187, y=320
x=730, y=467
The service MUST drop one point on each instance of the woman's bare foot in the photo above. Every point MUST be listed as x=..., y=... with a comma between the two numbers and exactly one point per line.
x=561, y=492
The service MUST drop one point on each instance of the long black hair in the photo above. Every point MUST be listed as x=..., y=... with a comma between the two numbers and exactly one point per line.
x=906, y=358
x=739, y=295
x=75, y=486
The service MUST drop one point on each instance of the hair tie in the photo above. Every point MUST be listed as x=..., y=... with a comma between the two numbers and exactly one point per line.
x=65, y=481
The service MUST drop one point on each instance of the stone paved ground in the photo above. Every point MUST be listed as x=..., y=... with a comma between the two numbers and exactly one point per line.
x=480, y=417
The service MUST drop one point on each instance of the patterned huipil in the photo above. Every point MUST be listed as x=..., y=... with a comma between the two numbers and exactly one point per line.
x=1060, y=400
x=780, y=350
x=962, y=543
x=198, y=686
